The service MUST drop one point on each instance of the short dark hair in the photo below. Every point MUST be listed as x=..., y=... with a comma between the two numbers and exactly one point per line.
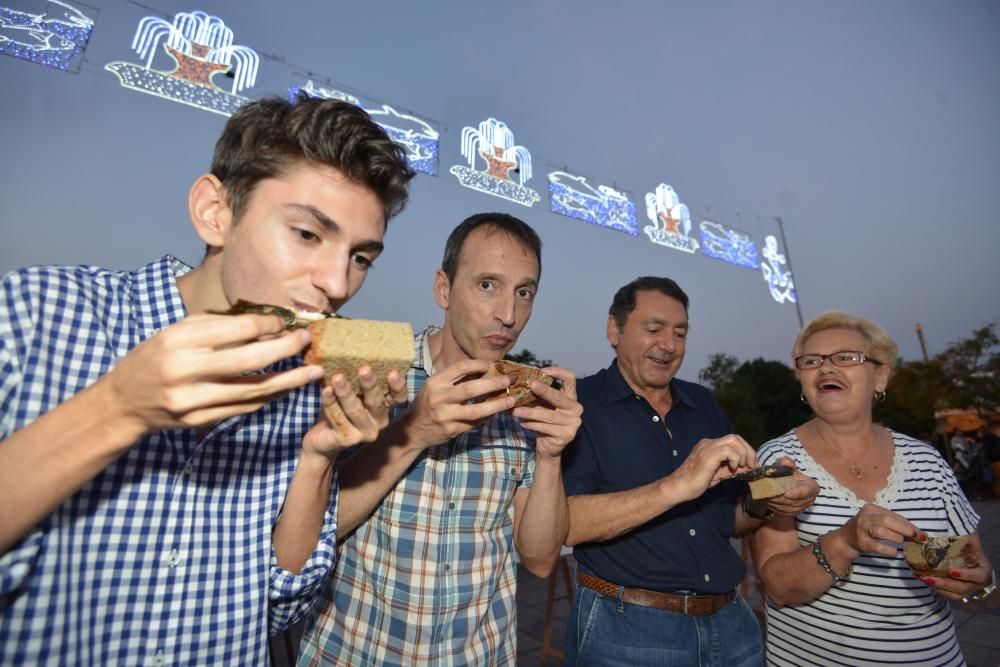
x=267, y=136
x=501, y=222
x=624, y=302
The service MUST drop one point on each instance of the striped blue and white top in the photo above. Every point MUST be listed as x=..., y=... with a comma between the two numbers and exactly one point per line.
x=883, y=615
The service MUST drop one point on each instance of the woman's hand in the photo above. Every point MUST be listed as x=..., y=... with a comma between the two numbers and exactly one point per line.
x=962, y=582
x=873, y=528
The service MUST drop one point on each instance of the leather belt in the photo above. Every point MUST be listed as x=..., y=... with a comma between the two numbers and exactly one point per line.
x=692, y=605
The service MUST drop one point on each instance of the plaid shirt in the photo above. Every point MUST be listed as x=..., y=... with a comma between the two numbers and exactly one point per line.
x=430, y=578
x=165, y=557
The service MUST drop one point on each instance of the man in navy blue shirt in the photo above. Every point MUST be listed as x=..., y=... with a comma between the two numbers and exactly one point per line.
x=651, y=514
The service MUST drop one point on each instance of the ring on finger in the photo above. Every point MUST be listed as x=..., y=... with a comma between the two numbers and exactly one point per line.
x=870, y=534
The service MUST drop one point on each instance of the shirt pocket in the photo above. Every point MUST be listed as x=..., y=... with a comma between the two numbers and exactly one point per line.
x=494, y=475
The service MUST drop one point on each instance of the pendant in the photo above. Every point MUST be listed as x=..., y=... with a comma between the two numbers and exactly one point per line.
x=858, y=471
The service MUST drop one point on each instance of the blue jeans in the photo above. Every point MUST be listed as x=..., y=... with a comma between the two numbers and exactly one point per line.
x=605, y=631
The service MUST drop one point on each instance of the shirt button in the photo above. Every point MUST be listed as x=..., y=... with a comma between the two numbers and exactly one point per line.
x=692, y=532
x=707, y=578
x=158, y=659
x=451, y=506
x=149, y=334
x=675, y=452
x=172, y=558
x=447, y=567
x=513, y=471
x=656, y=418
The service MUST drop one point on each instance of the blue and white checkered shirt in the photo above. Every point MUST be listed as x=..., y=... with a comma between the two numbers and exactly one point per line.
x=430, y=578
x=165, y=557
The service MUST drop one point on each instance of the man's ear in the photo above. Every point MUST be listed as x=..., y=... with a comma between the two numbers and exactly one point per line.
x=613, y=332
x=442, y=289
x=209, y=210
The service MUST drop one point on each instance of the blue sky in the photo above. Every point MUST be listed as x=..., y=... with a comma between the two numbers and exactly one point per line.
x=870, y=128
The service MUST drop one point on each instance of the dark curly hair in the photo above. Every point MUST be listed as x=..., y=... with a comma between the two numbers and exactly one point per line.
x=624, y=302
x=267, y=136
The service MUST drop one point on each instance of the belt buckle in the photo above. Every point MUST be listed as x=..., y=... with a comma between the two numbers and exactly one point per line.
x=686, y=598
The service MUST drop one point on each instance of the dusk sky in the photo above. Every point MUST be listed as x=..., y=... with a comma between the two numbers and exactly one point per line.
x=872, y=129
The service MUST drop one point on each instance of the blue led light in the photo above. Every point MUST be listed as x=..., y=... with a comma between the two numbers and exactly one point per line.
x=56, y=38
x=573, y=197
x=728, y=244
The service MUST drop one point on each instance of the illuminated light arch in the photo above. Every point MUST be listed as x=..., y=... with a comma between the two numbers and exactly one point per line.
x=728, y=244
x=670, y=220
x=55, y=38
x=494, y=143
x=779, y=281
x=574, y=197
x=200, y=46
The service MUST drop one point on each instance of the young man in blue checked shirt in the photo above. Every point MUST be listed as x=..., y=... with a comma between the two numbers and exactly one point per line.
x=168, y=494
x=453, y=495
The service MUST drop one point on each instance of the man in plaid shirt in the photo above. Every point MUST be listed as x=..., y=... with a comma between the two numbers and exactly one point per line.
x=452, y=495
x=166, y=479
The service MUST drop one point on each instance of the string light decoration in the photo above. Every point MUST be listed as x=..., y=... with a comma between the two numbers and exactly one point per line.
x=573, y=197
x=671, y=220
x=418, y=138
x=728, y=244
x=55, y=38
x=494, y=143
x=779, y=281
x=200, y=46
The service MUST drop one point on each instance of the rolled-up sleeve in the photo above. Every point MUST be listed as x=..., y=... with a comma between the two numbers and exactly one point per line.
x=291, y=595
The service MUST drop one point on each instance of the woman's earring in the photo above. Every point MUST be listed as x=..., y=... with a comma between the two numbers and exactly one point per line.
x=802, y=397
x=880, y=396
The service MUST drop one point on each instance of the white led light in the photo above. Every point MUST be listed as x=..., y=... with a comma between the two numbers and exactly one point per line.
x=670, y=220
x=201, y=46
x=719, y=241
x=779, y=281
x=494, y=143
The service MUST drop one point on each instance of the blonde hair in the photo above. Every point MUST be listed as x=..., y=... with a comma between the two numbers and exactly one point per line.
x=879, y=345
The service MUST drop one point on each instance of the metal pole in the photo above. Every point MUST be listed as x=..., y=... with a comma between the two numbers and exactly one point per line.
x=788, y=256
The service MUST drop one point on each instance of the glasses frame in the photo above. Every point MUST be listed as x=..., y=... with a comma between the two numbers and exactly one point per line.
x=824, y=357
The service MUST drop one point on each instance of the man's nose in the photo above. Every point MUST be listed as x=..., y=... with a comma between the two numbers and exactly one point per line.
x=505, y=310
x=330, y=275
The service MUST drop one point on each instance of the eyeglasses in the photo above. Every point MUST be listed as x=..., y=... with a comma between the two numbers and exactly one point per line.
x=809, y=362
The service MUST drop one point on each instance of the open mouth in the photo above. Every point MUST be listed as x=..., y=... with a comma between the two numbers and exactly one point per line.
x=830, y=385
x=663, y=363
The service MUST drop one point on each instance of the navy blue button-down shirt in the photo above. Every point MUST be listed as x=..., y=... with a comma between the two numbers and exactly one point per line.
x=622, y=444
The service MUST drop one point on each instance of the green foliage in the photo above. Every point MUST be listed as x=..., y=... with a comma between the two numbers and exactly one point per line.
x=911, y=397
x=528, y=357
x=971, y=370
x=761, y=397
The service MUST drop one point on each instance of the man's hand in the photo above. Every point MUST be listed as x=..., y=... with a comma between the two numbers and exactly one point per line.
x=556, y=425
x=349, y=419
x=441, y=411
x=710, y=462
x=199, y=371
x=797, y=498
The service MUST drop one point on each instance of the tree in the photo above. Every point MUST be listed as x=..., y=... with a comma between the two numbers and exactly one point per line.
x=761, y=397
x=528, y=357
x=911, y=397
x=971, y=369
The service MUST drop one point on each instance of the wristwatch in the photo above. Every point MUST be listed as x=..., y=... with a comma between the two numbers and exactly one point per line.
x=983, y=592
x=748, y=504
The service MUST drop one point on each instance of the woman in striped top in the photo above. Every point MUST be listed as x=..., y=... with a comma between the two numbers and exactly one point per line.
x=838, y=589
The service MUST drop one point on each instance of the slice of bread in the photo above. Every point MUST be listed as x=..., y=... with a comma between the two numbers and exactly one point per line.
x=521, y=376
x=768, y=481
x=940, y=555
x=342, y=345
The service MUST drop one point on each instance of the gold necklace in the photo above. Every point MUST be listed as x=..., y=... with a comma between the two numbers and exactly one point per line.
x=857, y=468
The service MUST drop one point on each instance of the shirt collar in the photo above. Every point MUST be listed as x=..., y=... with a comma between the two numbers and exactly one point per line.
x=422, y=359
x=156, y=299
x=618, y=387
